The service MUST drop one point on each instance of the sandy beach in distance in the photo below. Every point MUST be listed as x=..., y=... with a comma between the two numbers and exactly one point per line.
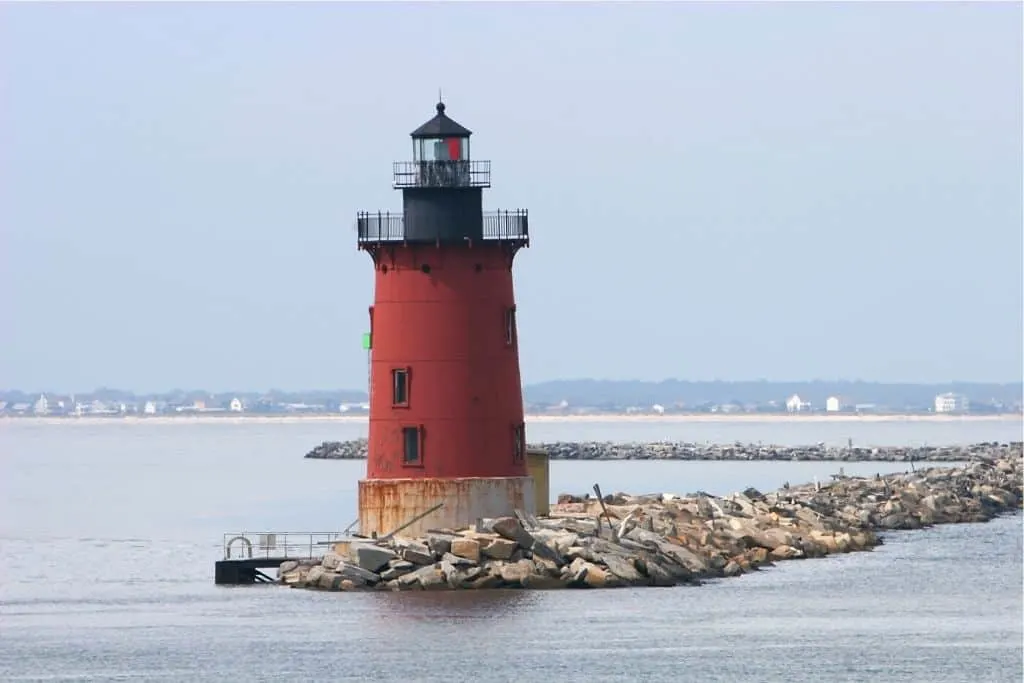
x=679, y=418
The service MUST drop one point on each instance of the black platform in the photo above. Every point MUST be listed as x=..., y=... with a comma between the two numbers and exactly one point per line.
x=246, y=571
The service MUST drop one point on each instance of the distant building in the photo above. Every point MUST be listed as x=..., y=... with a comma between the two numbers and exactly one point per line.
x=951, y=403
x=794, y=404
x=236, y=405
x=833, y=404
x=98, y=407
x=41, y=406
x=149, y=408
x=561, y=405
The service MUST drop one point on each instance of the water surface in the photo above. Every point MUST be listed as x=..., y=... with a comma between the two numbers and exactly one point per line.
x=108, y=535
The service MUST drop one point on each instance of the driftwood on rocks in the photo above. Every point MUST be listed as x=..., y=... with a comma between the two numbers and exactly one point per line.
x=669, y=540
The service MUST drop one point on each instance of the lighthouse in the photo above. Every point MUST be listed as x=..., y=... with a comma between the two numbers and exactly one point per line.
x=447, y=439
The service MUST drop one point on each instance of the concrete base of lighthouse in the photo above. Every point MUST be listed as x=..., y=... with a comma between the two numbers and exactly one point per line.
x=386, y=504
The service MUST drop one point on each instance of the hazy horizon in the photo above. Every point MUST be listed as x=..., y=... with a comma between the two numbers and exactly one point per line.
x=716, y=190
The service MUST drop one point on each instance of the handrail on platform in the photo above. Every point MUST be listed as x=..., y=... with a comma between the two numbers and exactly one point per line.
x=290, y=544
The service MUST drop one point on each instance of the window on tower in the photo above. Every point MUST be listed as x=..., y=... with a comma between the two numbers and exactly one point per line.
x=454, y=148
x=441, y=149
x=518, y=442
x=510, y=326
x=400, y=386
x=412, y=446
x=441, y=152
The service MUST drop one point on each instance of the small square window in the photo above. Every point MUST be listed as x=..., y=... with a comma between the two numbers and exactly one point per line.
x=510, y=326
x=400, y=386
x=412, y=446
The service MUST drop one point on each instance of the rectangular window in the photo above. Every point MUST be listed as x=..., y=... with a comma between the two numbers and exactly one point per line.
x=400, y=387
x=441, y=151
x=510, y=326
x=412, y=446
x=518, y=443
x=454, y=148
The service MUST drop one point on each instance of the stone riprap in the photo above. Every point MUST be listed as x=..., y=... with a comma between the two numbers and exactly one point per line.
x=593, y=450
x=340, y=450
x=667, y=540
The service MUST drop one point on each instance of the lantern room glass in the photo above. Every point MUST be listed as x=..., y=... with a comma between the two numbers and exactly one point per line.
x=441, y=149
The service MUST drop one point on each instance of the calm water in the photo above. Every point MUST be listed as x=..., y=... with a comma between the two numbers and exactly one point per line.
x=108, y=536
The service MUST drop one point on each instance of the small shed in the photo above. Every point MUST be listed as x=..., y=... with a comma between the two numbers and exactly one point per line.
x=538, y=466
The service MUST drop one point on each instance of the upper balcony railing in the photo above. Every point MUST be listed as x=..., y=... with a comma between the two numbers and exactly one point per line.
x=459, y=173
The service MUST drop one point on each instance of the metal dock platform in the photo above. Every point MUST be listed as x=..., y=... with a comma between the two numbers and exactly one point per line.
x=247, y=554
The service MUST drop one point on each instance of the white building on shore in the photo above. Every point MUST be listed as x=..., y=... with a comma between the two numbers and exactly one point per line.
x=834, y=404
x=41, y=406
x=795, y=404
x=951, y=403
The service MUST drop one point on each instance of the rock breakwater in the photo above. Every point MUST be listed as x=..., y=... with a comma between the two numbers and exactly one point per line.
x=666, y=450
x=668, y=540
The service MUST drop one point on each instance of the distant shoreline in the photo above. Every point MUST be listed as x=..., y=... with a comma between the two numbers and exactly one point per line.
x=535, y=419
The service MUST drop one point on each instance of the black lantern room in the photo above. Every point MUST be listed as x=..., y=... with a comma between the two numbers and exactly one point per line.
x=440, y=139
x=440, y=157
x=442, y=194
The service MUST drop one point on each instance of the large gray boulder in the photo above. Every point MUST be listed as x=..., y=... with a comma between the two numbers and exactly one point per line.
x=373, y=558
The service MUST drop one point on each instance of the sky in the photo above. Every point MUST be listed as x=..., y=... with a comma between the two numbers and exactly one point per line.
x=716, y=190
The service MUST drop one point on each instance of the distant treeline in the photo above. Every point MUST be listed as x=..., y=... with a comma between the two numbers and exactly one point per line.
x=612, y=393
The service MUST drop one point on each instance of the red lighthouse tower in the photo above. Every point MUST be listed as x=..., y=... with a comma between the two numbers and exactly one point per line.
x=446, y=404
